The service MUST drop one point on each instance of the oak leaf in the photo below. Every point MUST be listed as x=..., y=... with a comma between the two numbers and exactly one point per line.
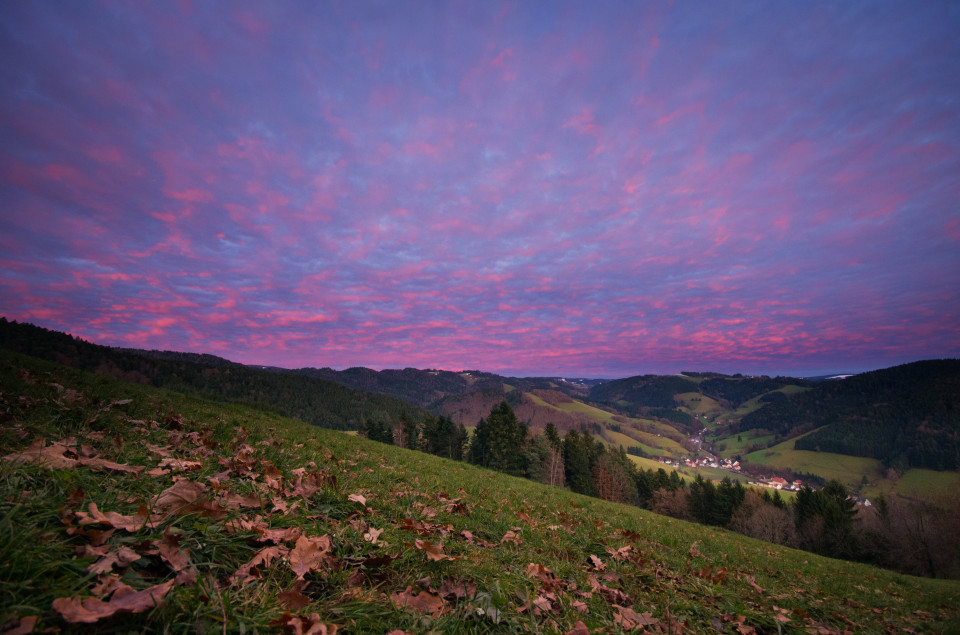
x=265, y=556
x=628, y=619
x=170, y=551
x=511, y=536
x=77, y=610
x=309, y=625
x=122, y=558
x=293, y=600
x=424, y=602
x=49, y=456
x=21, y=626
x=310, y=553
x=119, y=521
x=434, y=552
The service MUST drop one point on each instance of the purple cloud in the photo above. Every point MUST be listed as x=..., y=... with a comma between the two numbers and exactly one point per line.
x=546, y=188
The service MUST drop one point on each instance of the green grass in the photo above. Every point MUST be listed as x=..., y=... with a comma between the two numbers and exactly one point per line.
x=629, y=435
x=849, y=470
x=928, y=484
x=704, y=578
x=733, y=447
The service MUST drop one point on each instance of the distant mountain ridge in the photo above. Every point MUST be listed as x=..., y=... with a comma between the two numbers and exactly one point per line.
x=906, y=416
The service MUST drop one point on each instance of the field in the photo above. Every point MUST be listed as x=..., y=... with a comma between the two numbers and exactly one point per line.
x=629, y=435
x=127, y=509
x=732, y=447
x=849, y=470
x=928, y=484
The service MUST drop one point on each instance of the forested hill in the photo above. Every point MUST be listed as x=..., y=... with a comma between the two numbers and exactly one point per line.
x=430, y=388
x=311, y=399
x=906, y=416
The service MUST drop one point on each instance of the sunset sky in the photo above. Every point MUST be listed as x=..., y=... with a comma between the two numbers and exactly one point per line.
x=536, y=188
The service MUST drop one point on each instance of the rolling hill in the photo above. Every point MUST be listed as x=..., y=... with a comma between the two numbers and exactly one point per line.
x=130, y=509
x=905, y=416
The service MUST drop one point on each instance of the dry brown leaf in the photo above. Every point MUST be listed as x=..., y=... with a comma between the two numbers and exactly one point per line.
x=49, y=456
x=122, y=558
x=263, y=557
x=77, y=610
x=357, y=498
x=232, y=500
x=460, y=589
x=373, y=535
x=103, y=464
x=119, y=521
x=279, y=535
x=293, y=600
x=23, y=625
x=424, y=602
x=434, y=552
x=753, y=583
x=579, y=629
x=694, y=552
x=107, y=585
x=187, y=577
x=596, y=563
x=628, y=619
x=511, y=536
x=311, y=553
x=180, y=465
x=171, y=552
x=310, y=625
x=179, y=495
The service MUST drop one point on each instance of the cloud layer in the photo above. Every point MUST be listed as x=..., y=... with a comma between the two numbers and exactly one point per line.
x=535, y=188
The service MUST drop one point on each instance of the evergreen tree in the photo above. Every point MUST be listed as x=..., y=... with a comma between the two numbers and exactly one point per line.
x=576, y=461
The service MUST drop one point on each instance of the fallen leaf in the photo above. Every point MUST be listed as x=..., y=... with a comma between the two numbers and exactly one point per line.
x=579, y=629
x=48, y=456
x=122, y=558
x=77, y=610
x=263, y=557
x=750, y=580
x=461, y=589
x=511, y=536
x=694, y=552
x=424, y=602
x=357, y=498
x=293, y=600
x=119, y=521
x=180, y=465
x=596, y=563
x=311, y=553
x=628, y=619
x=21, y=626
x=310, y=625
x=179, y=495
x=170, y=551
x=434, y=552
x=372, y=535
x=187, y=577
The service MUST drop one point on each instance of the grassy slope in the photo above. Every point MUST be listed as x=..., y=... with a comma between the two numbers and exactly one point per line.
x=675, y=571
x=629, y=435
x=732, y=447
x=849, y=470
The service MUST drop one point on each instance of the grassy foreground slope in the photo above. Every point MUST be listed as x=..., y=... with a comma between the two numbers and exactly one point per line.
x=125, y=508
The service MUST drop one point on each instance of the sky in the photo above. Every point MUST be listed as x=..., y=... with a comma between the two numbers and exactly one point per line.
x=591, y=189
